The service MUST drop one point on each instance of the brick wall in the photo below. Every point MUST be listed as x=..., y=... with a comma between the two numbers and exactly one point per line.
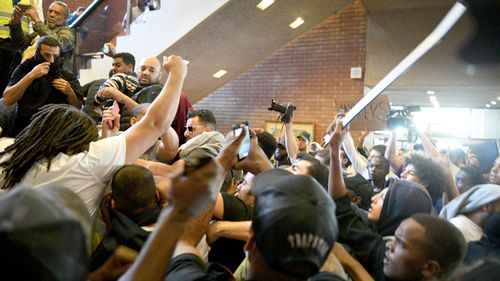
x=308, y=71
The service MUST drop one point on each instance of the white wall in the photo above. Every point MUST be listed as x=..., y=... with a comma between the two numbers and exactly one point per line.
x=165, y=26
x=485, y=124
x=161, y=29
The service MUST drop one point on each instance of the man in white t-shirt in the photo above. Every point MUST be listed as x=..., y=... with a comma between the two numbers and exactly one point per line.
x=59, y=146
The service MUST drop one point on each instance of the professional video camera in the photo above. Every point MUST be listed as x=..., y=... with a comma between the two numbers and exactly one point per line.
x=285, y=110
x=398, y=118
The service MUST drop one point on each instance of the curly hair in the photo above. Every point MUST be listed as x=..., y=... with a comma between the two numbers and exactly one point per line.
x=55, y=128
x=428, y=171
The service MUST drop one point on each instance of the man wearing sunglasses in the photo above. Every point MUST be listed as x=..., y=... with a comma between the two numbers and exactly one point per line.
x=201, y=135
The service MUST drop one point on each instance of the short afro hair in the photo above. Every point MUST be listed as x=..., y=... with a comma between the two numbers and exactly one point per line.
x=442, y=241
x=133, y=188
x=268, y=143
x=127, y=58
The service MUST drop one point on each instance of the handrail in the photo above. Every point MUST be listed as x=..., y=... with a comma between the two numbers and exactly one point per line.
x=90, y=9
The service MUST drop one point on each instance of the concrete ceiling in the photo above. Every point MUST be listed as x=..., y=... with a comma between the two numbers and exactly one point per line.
x=391, y=5
x=239, y=36
x=393, y=33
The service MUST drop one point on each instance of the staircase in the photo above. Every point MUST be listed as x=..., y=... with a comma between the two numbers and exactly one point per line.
x=159, y=30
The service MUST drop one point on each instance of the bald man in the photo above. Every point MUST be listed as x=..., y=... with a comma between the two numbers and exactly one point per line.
x=149, y=71
x=149, y=75
x=146, y=90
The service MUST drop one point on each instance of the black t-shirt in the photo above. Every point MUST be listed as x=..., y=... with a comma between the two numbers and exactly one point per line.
x=39, y=93
x=187, y=267
x=229, y=252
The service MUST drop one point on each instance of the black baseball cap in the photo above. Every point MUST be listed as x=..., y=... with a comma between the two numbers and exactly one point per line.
x=294, y=222
x=44, y=234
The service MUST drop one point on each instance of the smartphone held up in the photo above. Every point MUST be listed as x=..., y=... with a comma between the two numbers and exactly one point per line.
x=245, y=145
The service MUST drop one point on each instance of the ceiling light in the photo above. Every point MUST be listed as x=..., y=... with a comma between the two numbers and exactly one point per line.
x=498, y=98
x=434, y=101
x=264, y=4
x=431, y=92
x=488, y=105
x=219, y=73
x=296, y=23
x=493, y=102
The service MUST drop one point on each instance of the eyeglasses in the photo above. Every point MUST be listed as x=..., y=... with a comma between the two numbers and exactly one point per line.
x=191, y=128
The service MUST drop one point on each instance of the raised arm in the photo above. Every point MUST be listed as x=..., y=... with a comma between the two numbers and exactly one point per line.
x=160, y=114
x=169, y=145
x=291, y=145
x=17, y=36
x=359, y=163
x=191, y=196
x=336, y=185
x=256, y=161
x=429, y=147
x=451, y=189
x=390, y=153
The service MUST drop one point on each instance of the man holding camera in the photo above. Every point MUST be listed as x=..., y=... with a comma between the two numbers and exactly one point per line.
x=55, y=27
x=7, y=47
x=38, y=81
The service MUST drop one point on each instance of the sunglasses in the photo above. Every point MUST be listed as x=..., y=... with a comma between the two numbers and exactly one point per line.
x=191, y=128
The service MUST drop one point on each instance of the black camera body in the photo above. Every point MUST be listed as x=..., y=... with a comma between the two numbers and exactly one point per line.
x=398, y=118
x=285, y=110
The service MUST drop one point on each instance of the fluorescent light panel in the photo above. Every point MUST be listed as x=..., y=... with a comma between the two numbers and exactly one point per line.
x=296, y=23
x=264, y=4
x=488, y=105
x=434, y=101
x=493, y=102
x=431, y=92
x=219, y=73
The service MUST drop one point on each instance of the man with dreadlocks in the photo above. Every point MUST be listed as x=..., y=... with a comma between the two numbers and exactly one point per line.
x=39, y=81
x=59, y=146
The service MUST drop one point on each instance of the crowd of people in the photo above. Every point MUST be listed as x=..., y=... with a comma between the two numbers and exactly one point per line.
x=123, y=179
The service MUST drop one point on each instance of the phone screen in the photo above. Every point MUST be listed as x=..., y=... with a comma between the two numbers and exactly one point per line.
x=245, y=145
